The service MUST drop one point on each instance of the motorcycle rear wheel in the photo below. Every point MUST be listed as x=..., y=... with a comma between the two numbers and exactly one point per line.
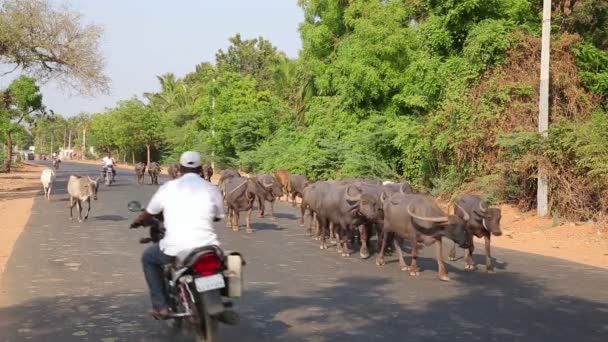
x=208, y=326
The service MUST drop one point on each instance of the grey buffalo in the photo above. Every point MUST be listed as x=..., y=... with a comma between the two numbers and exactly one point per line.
x=240, y=193
x=81, y=189
x=483, y=221
x=140, y=172
x=268, y=189
x=298, y=183
x=154, y=171
x=418, y=218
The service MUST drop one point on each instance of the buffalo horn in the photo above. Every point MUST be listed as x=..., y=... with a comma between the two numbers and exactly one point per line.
x=466, y=215
x=423, y=218
x=352, y=198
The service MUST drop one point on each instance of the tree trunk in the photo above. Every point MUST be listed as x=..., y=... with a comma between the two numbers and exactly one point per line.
x=148, y=152
x=133, y=156
x=9, y=155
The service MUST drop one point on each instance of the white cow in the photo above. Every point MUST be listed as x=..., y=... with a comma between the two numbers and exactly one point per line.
x=47, y=178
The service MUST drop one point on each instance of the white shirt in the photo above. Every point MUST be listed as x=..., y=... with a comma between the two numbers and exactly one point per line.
x=189, y=205
x=107, y=161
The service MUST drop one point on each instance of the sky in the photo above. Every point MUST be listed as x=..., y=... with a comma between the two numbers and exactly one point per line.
x=146, y=38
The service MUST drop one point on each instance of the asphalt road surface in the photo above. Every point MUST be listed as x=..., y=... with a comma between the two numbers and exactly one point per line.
x=70, y=281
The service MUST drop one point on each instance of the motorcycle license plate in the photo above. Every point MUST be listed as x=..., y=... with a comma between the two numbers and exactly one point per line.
x=213, y=282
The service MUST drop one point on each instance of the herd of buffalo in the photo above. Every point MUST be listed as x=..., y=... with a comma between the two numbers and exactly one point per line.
x=350, y=212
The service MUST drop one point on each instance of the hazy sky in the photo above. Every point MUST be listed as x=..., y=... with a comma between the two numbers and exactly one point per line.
x=145, y=38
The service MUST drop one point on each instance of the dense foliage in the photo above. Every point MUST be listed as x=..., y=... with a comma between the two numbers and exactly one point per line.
x=440, y=93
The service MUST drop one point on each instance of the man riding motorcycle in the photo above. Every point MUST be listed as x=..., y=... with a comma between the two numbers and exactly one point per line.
x=109, y=162
x=189, y=205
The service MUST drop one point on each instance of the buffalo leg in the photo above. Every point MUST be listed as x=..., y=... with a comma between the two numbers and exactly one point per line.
x=489, y=266
x=229, y=217
x=452, y=254
x=88, y=208
x=260, y=206
x=414, y=269
x=293, y=199
x=235, y=220
x=79, y=207
x=302, y=213
x=321, y=233
x=272, y=210
x=468, y=257
x=442, y=273
x=248, y=220
x=380, y=257
x=332, y=233
x=364, y=251
x=402, y=264
x=72, y=204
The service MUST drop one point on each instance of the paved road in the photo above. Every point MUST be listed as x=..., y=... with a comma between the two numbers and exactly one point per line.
x=82, y=282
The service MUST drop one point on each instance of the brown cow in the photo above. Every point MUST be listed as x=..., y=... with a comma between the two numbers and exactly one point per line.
x=284, y=178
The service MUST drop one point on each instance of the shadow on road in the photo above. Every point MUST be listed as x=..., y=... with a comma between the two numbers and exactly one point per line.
x=521, y=311
x=114, y=218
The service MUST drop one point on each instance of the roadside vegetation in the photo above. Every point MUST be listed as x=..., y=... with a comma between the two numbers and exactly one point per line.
x=443, y=94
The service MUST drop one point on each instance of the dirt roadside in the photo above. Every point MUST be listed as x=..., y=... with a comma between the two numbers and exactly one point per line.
x=17, y=192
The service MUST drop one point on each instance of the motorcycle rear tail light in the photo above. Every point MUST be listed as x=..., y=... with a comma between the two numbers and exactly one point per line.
x=208, y=264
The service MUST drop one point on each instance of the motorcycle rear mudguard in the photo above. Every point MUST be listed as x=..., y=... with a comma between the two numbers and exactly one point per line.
x=212, y=301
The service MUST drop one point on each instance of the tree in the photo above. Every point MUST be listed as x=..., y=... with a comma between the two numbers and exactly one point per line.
x=22, y=99
x=255, y=57
x=51, y=42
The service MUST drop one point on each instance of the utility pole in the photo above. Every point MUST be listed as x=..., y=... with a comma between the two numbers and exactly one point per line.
x=542, y=196
x=213, y=130
x=84, y=142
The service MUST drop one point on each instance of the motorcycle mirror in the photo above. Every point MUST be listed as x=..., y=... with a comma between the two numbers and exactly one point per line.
x=134, y=206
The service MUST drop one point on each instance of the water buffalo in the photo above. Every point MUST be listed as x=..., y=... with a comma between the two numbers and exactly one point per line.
x=227, y=174
x=240, y=193
x=482, y=222
x=140, y=172
x=339, y=205
x=418, y=218
x=298, y=183
x=393, y=188
x=81, y=189
x=268, y=190
x=154, y=171
x=207, y=172
x=173, y=171
x=283, y=176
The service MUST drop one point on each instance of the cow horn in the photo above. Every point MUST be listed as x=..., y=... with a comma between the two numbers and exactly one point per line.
x=466, y=214
x=352, y=198
x=423, y=218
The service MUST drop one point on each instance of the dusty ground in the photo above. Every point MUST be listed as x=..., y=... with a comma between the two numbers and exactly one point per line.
x=17, y=192
x=526, y=232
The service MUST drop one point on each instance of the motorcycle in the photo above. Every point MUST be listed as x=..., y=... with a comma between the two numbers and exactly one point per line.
x=56, y=163
x=108, y=175
x=200, y=283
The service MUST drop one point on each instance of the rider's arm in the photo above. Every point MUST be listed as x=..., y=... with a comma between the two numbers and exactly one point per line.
x=218, y=204
x=154, y=208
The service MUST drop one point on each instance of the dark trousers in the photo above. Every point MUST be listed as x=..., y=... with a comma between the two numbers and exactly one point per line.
x=153, y=261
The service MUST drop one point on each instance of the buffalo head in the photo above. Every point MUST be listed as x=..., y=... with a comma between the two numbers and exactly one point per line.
x=451, y=226
x=490, y=218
